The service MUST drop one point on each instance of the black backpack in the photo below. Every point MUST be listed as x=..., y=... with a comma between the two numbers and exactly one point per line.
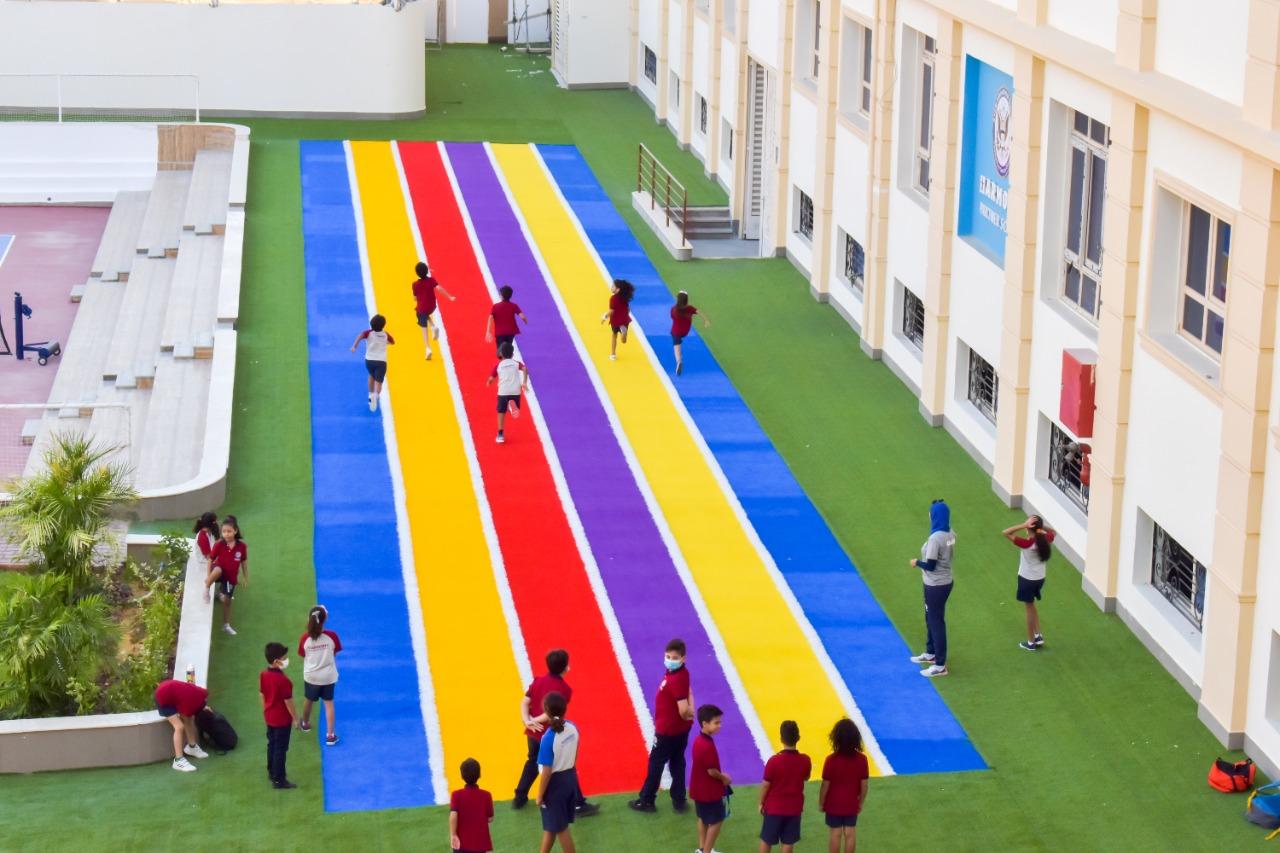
x=216, y=730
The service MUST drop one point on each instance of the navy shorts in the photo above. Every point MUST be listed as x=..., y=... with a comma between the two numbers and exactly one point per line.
x=1029, y=590
x=423, y=318
x=559, y=801
x=504, y=399
x=835, y=821
x=226, y=590
x=710, y=813
x=316, y=692
x=780, y=829
x=678, y=339
x=166, y=710
x=617, y=330
x=504, y=339
x=377, y=369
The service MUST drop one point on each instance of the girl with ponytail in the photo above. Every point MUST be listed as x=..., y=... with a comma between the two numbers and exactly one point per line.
x=558, y=782
x=1035, y=550
x=319, y=647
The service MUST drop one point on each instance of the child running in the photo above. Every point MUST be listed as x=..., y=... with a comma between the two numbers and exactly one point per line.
x=1035, y=552
x=376, y=339
x=782, y=792
x=319, y=647
x=424, y=298
x=619, y=313
x=558, y=784
x=512, y=378
x=681, y=324
x=228, y=567
x=708, y=784
x=502, y=325
x=470, y=812
x=206, y=532
x=844, y=786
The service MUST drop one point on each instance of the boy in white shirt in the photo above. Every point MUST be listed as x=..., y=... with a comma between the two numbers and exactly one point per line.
x=376, y=339
x=512, y=377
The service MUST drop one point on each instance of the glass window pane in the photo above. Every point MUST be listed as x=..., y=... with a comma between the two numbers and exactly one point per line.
x=926, y=106
x=866, y=55
x=1088, y=294
x=1082, y=123
x=1098, y=132
x=929, y=44
x=1193, y=317
x=1197, y=250
x=1213, y=336
x=866, y=100
x=1075, y=201
x=1097, y=199
x=922, y=180
x=1072, y=287
x=1223, y=250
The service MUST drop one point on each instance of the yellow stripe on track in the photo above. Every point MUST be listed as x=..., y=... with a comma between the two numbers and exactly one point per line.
x=477, y=684
x=782, y=674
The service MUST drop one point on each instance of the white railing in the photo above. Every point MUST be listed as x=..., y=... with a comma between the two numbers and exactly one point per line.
x=100, y=97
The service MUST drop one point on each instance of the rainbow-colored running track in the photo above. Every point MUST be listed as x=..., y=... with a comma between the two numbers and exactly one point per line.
x=626, y=508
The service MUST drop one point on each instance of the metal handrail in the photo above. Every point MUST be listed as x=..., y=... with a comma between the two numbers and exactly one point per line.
x=652, y=177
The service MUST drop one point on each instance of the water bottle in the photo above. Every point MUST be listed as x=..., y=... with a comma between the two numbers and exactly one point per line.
x=191, y=673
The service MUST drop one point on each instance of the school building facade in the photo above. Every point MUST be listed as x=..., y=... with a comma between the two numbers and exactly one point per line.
x=1058, y=222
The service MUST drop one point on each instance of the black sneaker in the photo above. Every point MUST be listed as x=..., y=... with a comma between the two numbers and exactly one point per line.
x=681, y=806
x=1029, y=646
x=642, y=806
x=1039, y=640
x=519, y=803
x=284, y=785
x=587, y=810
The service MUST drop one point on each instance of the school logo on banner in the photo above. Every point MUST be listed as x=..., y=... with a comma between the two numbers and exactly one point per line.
x=986, y=158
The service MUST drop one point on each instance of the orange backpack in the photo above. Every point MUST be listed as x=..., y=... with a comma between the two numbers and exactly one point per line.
x=1232, y=778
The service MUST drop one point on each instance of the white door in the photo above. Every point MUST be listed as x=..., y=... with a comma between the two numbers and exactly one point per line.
x=757, y=148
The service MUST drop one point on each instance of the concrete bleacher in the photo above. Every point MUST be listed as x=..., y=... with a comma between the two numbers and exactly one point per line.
x=162, y=224
x=206, y=208
x=135, y=341
x=120, y=238
x=191, y=314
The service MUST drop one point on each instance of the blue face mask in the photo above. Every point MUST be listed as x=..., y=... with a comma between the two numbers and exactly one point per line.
x=672, y=665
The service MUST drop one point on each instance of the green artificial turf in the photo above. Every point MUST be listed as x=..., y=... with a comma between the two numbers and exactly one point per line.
x=1091, y=745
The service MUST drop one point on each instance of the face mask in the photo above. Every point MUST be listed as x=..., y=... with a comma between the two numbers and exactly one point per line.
x=284, y=664
x=672, y=665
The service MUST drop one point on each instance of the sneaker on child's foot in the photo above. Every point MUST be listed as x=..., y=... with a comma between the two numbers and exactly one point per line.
x=679, y=367
x=681, y=806
x=228, y=629
x=1029, y=646
x=331, y=739
x=428, y=353
x=373, y=403
x=518, y=803
x=923, y=657
x=305, y=725
x=183, y=765
x=642, y=806
x=514, y=410
x=586, y=810
x=283, y=785
x=500, y=439
x=933, y=671
x=1039, y=640
x=435, y=333
x=613, y=357
x=194, y=750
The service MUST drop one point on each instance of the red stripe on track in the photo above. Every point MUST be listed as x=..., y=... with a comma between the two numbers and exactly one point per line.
x=553, y=596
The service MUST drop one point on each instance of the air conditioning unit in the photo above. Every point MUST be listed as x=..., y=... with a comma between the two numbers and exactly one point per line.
x=1079, y=380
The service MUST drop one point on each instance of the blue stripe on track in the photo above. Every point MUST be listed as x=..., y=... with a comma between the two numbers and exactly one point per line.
x=381, y=761
x=907, y=716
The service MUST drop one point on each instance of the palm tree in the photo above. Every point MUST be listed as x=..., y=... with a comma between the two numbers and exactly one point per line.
x=61, y=516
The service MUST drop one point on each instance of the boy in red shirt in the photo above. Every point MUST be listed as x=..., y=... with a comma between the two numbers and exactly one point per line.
x=535, y=726
x=844, y=786
x=179, y=702
x=502, y=319
x=782, y=792
x=672, y=719
x=424, y=303
x=708, y=785
x=279, y=712
x=470, y=813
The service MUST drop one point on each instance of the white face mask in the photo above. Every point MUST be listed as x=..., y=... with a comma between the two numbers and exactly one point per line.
x=284, y=663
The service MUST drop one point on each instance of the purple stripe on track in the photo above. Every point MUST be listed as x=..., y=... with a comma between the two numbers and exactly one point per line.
x=643, y=585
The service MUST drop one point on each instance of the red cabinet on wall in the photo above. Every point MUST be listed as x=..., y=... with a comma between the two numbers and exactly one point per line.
x=1075, y=408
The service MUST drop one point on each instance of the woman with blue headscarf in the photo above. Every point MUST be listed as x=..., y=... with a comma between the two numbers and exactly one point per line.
x=935, y=567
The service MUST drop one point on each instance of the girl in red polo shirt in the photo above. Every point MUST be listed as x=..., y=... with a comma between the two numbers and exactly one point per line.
x=229, y=567
x=206, y=533
x=619, y=313
x=844, y=786
x=681, y=324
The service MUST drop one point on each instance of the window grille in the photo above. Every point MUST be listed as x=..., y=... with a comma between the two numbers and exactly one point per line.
x=650, y=65
x=1178, y=576
x=913, y=318
x=854, y=262
x=702, y=115
x=984, y=386
x=806, y=216
x=1069, y=467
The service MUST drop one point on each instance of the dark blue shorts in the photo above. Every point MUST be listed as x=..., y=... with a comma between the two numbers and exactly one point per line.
x=559, y=801
x=780, y=829
x=316, y=692
x=377, y=369
x=835, y=821
x=226, y=590
x=710, y=813
x=1029, y=590
x=423, y=318
x=504, y=399
x=499, y=340
x=678, y=339
x=166, y=710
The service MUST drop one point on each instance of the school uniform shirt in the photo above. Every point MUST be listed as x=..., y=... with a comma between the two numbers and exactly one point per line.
x=786, y=774
x=939, y=548
x=673, y=690
x=844, y=775
x=504, y=319
x=229, y=559
x=474, y=807
x=424, y=294
x=703, y=788
x=682, y=321
x=204, y=542
x=559, y=750
x=1030, y=566
x=538, y=690
x=619, y=311
x=507, y=372
x=187, y=698
x=275, y=687
x=375, y=344
x=318, y=665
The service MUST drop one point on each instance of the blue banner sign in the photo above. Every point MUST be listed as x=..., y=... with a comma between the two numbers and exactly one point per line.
x=982, y=220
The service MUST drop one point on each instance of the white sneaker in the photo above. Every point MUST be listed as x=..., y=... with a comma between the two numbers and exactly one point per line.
x=428, y=357
x=194, y=750
x=500, y=439
x=373, y=406
x=435, y=333
x=923, y=657
x=183, y=765
x=513, y=410
x=228, y=629
x=613, y=357
x=933, y=671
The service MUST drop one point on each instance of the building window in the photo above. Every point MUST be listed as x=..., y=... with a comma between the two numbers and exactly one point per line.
x=726, y=139
x=702, y=115
x=702, y=5
x=1069, y=466
x=924, y=114
x=804, y=220
x=1178, y=576
x=808, y=38
x=817, y=37
x=855, y=72
x=673, y=85
x=913, y=318
x=1202, y=314
x=1086, y=199
x=650, y=65
x=984, y=386
x=854, y=262
x=730, y=16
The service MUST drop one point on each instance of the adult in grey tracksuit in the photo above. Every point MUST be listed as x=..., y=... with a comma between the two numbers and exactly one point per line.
x=935, y=568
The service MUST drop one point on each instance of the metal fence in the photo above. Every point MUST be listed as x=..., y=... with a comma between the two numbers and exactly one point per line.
x=100, y=97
